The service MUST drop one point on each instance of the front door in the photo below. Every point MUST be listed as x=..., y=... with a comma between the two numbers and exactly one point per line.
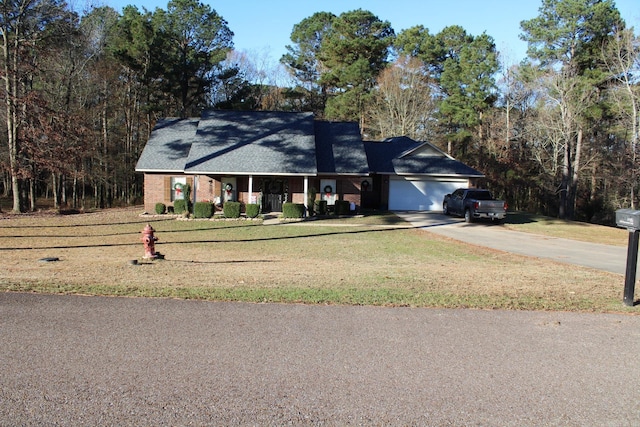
x=272, y=195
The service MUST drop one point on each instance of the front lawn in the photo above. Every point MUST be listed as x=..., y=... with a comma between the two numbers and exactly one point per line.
x=375, y=260
x=593, y=233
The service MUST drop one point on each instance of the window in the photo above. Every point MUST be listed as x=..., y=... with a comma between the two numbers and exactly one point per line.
x=177, y=192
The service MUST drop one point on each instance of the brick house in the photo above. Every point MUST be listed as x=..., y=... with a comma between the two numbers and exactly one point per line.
x=272, y=158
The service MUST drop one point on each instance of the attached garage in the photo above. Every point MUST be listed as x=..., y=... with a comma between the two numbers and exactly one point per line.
x=415, y=176
x=419, y=193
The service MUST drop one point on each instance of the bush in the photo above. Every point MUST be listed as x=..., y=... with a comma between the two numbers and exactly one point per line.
x=321, y=207
x=180, y=206
x=231, y=209
x=292, y=210
x=342, y=207
x=161, y=208
x=252, y=210
x=203, y=210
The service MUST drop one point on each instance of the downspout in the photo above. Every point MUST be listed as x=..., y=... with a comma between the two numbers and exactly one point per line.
x=306, y=194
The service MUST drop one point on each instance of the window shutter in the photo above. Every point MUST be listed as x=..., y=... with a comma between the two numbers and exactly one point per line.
x=167, y=189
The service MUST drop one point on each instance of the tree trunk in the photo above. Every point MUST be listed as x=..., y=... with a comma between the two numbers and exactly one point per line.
x=105, y=139
x=74, y=190
x=32, y=195
x=575, y=176
x=634, y=148
x=564, y=183
x=54, y=186
x=10, y=88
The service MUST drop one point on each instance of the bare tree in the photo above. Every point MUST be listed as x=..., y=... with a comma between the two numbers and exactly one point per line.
x=622, y=56
x=24, y=26
x=403, y=103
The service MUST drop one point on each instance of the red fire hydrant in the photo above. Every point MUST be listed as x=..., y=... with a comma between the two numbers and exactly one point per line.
x=149, y=242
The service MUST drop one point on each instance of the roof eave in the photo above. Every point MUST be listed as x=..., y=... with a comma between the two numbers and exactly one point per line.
x=440, y=175
x=345, y=173
x=261, y=173
x=165, y=171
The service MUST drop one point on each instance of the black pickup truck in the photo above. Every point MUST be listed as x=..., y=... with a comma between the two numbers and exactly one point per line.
x=474, y=203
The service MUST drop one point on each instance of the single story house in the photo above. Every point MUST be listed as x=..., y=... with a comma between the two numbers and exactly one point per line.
x=272, y=158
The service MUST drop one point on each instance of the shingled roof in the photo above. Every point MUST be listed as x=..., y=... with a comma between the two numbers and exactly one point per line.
x=339, y=149
x=236, y=142
x=256, y=142
x=168, y=146
x=404, y=156
x=285, y=143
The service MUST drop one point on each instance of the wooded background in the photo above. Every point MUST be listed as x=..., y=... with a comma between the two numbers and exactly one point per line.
x=555, y=134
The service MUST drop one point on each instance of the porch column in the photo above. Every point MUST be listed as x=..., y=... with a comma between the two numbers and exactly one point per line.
x=195, y=190
x=250, y=188
x=306, y=192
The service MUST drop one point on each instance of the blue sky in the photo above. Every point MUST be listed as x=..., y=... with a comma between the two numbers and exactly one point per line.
x=265, y=25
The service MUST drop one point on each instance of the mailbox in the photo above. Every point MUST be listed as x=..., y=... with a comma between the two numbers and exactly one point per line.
x=628, y=218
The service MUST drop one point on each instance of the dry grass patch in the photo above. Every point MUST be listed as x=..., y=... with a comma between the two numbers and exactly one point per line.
x=575, y=230
x=354, y=262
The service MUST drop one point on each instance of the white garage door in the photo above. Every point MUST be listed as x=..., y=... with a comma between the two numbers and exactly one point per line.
x=420, y=194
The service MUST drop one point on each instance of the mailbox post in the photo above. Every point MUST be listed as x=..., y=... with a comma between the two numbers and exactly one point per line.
x=630, y=219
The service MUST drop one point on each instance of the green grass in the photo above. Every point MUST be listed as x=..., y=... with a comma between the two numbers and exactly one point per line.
x=380, y=296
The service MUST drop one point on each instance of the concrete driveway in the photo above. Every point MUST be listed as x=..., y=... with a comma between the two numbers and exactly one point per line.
x=96, y=361
x=601, y=257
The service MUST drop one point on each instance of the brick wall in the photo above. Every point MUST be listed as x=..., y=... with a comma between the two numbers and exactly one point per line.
x=154, y=191
x=208, y=188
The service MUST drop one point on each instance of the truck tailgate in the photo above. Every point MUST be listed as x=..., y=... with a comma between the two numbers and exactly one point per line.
x=489, y=206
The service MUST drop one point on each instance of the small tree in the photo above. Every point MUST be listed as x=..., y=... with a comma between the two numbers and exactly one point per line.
x=186, y=190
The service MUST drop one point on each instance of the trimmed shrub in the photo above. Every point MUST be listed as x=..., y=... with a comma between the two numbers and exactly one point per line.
x=161, y=208
x=179, y=206
x=321, y=207
x=231, y=209
x=203, y=210
x=292, y=210
x=342, y=207
x=252, y=210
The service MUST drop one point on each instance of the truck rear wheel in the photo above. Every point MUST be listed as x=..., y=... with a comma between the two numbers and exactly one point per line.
x=467, y=216
x=445, y=208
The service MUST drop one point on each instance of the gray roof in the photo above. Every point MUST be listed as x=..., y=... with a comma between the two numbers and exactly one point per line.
x=237, y=142
x=168, y=146
x=404, y=156
x=339, y=149
x=282, y=143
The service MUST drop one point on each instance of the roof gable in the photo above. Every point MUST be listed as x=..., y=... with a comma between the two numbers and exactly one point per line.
x=404, y=156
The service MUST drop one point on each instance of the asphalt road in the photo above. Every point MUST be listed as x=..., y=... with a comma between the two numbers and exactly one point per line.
x=74, y=361
x=601, y=257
